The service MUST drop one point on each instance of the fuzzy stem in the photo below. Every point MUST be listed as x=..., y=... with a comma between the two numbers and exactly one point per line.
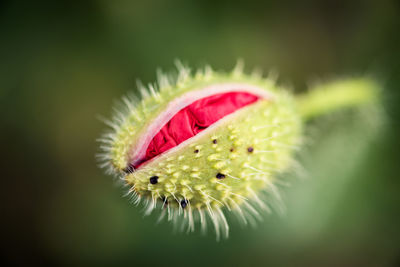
x=326, y=98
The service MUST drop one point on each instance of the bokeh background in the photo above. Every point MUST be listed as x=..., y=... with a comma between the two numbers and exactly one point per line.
x=63, y=63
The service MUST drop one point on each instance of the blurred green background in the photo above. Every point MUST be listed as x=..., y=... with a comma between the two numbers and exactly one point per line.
x=63, y=63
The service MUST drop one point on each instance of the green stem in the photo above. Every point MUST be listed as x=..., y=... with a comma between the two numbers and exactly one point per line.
x=326, y=98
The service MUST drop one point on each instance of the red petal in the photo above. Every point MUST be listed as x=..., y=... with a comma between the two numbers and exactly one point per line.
x=195, y=118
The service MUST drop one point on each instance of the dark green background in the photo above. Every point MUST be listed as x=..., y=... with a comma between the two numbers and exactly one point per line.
x=63, y=63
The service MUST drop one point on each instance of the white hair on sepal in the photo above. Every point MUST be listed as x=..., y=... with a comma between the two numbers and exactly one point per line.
x=260, y=203
x=155, y=92
x=110, y=123
x=223, y=223
x=121, y=113
x=207, y=72
x=144, y=92
x=249, y=211
x=163, y=80
x=183, y=72
x=161, y=216
x=257, y=73
x=238, y=70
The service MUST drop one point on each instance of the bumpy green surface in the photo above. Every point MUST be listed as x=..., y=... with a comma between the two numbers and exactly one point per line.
x=222, y=166
x=228, y=163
